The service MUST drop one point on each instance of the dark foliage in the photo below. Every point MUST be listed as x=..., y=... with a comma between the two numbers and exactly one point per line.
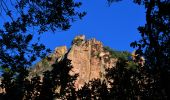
x=143, y=82
x=95, y=89
x=118, y=54
x=17, y=54
x=55, y=84
x=152, y=80
x=58, y=80
x=155, y=45
x=18, y=51
x=45, y=14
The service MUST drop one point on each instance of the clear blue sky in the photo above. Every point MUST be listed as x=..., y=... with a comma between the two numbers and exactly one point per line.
x=116, y=26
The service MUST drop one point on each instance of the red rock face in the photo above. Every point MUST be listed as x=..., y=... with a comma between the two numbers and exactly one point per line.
x=89, y=61
x=88, y=58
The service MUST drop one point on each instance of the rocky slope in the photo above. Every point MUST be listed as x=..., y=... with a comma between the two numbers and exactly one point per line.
x=88, y=58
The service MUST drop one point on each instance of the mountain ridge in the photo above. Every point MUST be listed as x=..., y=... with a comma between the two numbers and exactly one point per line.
x=89, y=59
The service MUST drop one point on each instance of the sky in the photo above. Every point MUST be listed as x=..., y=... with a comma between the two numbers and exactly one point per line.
x=115, y=26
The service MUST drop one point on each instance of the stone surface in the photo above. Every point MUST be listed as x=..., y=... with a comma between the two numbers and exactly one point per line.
x=89, y=60
x=45, y=64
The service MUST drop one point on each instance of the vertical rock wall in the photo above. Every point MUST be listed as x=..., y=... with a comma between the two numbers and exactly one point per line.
x=88, y=60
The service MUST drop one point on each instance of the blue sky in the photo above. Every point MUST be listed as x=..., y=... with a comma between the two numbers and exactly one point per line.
x=115, y=26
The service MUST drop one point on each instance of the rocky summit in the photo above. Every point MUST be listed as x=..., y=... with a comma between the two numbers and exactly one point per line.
x=88, y=58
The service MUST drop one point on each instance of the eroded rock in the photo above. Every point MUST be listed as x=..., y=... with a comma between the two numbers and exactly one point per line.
x=88, y=59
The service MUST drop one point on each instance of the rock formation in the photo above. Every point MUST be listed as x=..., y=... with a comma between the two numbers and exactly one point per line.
x=88, y=58
x=46, y=63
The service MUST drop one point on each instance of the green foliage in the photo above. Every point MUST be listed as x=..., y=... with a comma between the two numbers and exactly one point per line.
x=77, y=41
x=118, y=54
x=131, y=65
x=97, y=54
x=45, y=62
x=123, y=55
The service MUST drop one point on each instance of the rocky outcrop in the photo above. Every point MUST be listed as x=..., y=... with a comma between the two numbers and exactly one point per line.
x=46, y=63
x=88, y=58
x=89, y=61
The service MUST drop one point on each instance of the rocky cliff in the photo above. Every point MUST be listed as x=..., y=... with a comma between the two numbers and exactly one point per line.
x=88, y=58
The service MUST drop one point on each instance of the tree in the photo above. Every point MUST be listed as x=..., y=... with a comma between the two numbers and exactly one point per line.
x=17, y=54
x=17, y=50
x=95, y=89
x=45, y=14
x=55, y=84
x=154, y=45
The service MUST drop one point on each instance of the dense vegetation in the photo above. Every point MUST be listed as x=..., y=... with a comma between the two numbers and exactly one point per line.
x=17, y=53
x=118, y=54
x=19, y=47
